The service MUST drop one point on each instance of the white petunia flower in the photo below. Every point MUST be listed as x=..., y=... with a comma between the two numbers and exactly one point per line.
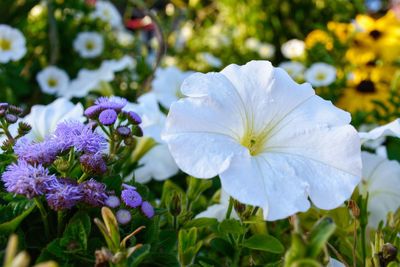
x=334, y=263
x=157, y=163
x=44, y=118
x=107, y=12
x=12, y=44
x=53, y=80
x=272, y=142
x=88, y=80
x=293, y=68
x=381, y=180
x=167, y=83
x=218, y=211
x=320, y=74
x=89, y=44
x=211, y=60
x=390, y=129
x=293, y=48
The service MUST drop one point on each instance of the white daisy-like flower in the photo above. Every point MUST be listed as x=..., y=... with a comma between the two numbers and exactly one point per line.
x=107, y=12
x=273, y=142
x=293, y=68
x=53, y=80
x=381, y=180
x=293, y=48
x=320, y=74
x=44, y=118
x=166, y=84
x=12, y=44
x=266, y=50
x=211, y=60
x=89, y=44
x=157, y=163
x=218, y=211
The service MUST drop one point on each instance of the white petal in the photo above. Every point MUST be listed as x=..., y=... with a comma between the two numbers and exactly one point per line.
x=390, y=129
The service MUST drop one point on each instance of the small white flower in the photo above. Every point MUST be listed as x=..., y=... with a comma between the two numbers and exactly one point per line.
x=53, y=80
x=44, y=118
x=293, y=48
x=157, y=163
x=273, y=142
x=381, y=180
x=218, y=211
x=89, y=44
x=320, y=74
x=124, y=37
x=167, y=83
x=334, y=263
x=252, y=43
x=211, y=60
x=107, y=12
x=12, y=44
x=293, y=68
x=266, y=50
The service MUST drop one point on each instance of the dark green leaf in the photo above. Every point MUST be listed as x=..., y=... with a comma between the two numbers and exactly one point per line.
x=265, y=243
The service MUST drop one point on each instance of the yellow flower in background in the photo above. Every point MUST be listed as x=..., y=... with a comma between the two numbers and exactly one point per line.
x=365, y=85
x=343, y=31
x=319, y=36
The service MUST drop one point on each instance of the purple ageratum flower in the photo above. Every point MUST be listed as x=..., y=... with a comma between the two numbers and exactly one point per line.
x=130, y=196
x=112, y=201
x=93, y=163
x=93, y=111
x=133, y=117
x=63, y=194
x=79, y=135
x=25, y=179
x=123, y=216
x=37, y=153
x=114, y=102
x=94, y=193
x=147, y=209
x=108, y=117
x=124, y=131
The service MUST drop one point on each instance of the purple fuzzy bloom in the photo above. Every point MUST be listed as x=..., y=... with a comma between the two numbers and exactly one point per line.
x=79, y=135
x=27, y=180
x=93, y=111
x=94, y=193
x=63, y=194
x=114, y=102
x=112, y=201
x=133, y=117
x=131, y=197
x=108, y=117
x=37, y=153
x=123, y=216
x=93, y=163
x=147, y=209
x=3, y=106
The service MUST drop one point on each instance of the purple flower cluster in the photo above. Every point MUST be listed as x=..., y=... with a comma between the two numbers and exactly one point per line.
x=37, y=153
x=93, y=163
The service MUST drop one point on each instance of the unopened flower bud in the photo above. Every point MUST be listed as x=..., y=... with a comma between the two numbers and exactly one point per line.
x=130, y=141
x=61, y=165
x=15, y=110
x=133, y=117
x=389, y=253
x=175, y=205
x=23, y=128
x=7, y=145
x=123, y=131
x=239, y=207
x=355, y=210
x=3, y=106
x=108, y=117
x=11, y=118
x=2, y=113
x=123, y=216
x=137, y=131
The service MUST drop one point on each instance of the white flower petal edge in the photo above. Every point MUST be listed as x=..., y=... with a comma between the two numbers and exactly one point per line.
x=218, y=211
x=390, y=129
x=44, y=119
x=273, y=143
x=334, y=263
x=381, y=179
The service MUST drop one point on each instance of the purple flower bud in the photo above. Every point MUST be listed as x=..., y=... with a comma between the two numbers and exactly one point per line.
x=123, y=131
x=3, y=106
x=133, y=117
x=108, y=117
x=114, y=102
x=147, y=209
x=131, y=197
x=123, y=216
x=112, y=201
x=93, y=192
x=11, y=118
x=93, y=163
x=93, y=111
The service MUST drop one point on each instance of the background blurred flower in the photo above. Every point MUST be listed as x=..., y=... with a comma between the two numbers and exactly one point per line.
x=294, y=69
x=293, y=48
x=53, y=80
x=381, y=180
x=12, y=44
x=107, y=12
x=89, y=44
x=320, y=74
x=273, y=143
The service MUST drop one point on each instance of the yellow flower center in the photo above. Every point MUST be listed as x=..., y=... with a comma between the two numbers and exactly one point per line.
x=254, y=142
x=52, y=82
x=5, y=44
x=89, y=45
x=320, y=76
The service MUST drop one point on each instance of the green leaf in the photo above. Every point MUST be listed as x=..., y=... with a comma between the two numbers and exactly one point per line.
x=222, y=246
x=139, y=256
x=13, y=214
x=196, y=187
x=231, y=226
x=265, y=243
x=76, y=233
x=319, y=235
x=201, y=222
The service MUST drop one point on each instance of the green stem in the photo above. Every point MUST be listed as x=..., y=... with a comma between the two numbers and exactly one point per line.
x=60, y=219
x=83, y=177
x=6, y=131
x=43, y=213
x=230, y=207
x=363, y=225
